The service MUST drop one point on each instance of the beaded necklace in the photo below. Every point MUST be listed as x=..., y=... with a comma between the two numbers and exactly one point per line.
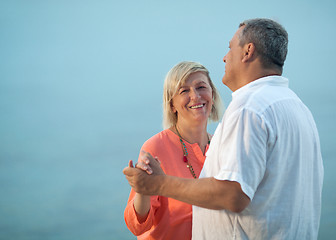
x=185, y=154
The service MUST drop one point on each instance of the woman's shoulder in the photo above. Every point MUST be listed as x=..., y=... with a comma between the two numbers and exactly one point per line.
x=161, y=142
x=159, y=138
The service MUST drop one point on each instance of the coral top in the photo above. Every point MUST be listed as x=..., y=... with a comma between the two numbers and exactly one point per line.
x=167, y=217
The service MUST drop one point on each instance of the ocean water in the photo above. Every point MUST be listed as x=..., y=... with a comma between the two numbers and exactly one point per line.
x=81, y=90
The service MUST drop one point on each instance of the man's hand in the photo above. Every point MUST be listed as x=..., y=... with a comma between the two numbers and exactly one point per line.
x=142, y=182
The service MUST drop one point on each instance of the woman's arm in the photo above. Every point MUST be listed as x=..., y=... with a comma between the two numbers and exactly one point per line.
x=141, y=206
x=141, y=202
x=139, y=211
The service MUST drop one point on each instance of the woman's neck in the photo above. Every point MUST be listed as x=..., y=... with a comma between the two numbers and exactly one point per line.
x=193, y=134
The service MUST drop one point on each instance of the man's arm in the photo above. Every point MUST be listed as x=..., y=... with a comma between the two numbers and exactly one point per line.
x=205, y=192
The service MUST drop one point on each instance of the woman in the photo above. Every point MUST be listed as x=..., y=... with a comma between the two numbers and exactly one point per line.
x=189, y=100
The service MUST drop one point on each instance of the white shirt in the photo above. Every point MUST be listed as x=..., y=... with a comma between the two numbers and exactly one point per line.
x=268, y=142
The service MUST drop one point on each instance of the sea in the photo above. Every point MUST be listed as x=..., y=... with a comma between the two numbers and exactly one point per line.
x=62, y=158
x=81, y=91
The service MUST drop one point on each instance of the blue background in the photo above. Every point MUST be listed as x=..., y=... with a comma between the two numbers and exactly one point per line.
x=81, y=90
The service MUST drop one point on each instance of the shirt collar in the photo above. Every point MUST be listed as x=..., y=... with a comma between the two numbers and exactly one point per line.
x=269, y=80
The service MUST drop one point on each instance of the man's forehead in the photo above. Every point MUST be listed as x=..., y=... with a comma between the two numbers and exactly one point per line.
x=235, y=36
x=232, y=39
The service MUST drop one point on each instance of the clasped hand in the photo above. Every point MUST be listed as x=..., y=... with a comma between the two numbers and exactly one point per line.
x=147, y=175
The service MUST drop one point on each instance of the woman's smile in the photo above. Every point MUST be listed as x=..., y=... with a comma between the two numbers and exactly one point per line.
x=198, y=106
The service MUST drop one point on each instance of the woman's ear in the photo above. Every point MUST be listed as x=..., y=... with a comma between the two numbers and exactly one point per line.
x=172, y=107
x=249, y=51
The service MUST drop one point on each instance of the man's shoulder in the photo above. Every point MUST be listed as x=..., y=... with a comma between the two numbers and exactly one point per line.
x=267, y=96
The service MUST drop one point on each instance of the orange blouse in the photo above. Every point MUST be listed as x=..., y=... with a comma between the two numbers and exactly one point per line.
x=167, y=217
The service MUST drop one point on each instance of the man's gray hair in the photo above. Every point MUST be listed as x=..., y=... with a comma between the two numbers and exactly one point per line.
x=270, y=40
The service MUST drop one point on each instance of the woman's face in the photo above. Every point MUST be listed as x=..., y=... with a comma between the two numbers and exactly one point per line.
x=193, y=100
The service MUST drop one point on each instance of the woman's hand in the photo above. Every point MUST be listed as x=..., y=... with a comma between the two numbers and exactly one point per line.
x=146, y=162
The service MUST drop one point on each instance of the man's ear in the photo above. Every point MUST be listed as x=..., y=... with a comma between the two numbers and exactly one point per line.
x=249, y=52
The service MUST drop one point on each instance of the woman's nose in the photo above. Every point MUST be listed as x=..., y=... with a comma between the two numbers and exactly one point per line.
x=194, y=94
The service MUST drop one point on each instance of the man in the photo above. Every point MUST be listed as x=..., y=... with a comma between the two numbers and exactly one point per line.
x=262, y=178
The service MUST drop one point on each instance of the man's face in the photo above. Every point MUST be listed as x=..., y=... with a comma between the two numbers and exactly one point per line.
x=233, y=61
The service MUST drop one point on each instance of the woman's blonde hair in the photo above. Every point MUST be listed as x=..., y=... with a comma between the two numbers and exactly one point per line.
x=175, y=78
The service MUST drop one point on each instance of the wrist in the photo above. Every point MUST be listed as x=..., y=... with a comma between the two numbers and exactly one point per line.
x=141, y=204
x=162, y=183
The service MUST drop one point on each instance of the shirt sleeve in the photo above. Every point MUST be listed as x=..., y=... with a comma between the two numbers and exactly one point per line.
x=243, y=151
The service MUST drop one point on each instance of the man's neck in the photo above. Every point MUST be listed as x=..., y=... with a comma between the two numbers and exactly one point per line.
x=253, y=75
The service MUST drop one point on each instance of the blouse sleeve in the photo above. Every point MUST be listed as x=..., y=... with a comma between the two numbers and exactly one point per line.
x=131, y=218
x=130, y=215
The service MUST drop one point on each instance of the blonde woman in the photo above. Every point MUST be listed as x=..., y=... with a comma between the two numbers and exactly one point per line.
x=189, y=100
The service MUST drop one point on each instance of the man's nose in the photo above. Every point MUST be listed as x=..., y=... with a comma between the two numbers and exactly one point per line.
x=224, y=59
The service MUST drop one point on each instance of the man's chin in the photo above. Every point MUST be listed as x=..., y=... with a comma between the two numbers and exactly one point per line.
x=224, y=79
